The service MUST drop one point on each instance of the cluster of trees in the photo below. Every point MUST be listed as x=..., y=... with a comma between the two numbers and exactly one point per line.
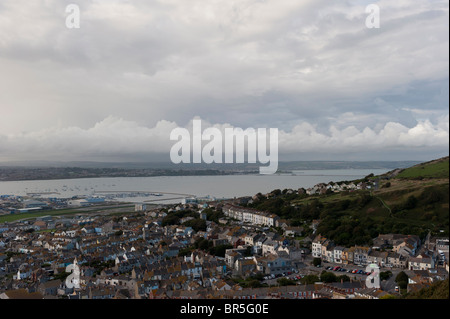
x=325, y=276
x=213, y=215
x=281, y=205
x=253, y=281
x=402, y=280
x=208, y=246
x=438, y=290
x=174, y=218
x=342, y=221
x=198, y=224
x=385, y=275
x=357, y=219
x=344, y=231
x=99, y=265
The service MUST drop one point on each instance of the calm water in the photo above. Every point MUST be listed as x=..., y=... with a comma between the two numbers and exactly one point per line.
x=225, y=186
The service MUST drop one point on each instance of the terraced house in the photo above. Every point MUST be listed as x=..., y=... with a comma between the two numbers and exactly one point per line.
x=249, y=215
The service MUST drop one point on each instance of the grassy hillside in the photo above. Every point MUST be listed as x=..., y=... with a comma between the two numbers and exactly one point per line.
x=59, y=212
x=408, y=203
x=433, y=169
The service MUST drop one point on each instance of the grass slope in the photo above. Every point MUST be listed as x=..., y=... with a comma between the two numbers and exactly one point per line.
x=433, y=169
x=404, y=204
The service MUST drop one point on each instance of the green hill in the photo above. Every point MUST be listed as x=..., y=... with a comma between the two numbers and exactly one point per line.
x=406, y=203
x=433, y=169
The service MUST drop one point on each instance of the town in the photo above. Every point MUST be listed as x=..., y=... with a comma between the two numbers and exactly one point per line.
x=221, y=249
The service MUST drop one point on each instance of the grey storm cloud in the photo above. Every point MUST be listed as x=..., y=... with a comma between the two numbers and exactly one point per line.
x=136, y=69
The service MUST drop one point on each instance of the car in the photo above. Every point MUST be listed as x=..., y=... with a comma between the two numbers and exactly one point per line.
x=368, y=273
x=349, y=271
x=354, y=271
x=328, y=268
x=342, y=269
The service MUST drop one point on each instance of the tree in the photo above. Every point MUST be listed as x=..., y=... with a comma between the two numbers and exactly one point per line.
x=402, y=280
x=328, y=277
x=309, y=279
x=276, y=192
x=343, y=278
x=317, y=262
x=196, y=224
x=285, y=282
x=219, y=250
x=385, y=275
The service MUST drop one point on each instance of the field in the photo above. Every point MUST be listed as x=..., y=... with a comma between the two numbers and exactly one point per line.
x=434, y=169
x=63, y=212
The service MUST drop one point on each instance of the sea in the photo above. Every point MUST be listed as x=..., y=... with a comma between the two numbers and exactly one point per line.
x=173, y=189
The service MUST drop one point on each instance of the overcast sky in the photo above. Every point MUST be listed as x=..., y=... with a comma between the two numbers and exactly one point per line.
x=114, y=88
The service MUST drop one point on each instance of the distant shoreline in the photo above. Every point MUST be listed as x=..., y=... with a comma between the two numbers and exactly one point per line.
x=30, y=173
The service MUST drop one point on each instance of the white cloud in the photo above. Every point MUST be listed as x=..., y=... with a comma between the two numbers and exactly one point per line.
x=303, y=66
x=114, y=137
